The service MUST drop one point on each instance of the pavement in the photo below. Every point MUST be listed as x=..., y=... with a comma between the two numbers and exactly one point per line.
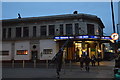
x=68, y=72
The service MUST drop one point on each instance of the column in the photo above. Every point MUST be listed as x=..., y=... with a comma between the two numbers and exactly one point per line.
x=21, y=31
x=73, y=27
x=30, y=31
x=102, y=53
x=13, y=34
x=47, y=30
x=64, y=29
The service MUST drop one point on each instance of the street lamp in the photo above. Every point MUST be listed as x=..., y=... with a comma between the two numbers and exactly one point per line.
x=118, y=31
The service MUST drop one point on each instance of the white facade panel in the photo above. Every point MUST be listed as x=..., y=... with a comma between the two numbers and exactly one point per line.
x=6, y=47
x=47, y=44
x=22, y=46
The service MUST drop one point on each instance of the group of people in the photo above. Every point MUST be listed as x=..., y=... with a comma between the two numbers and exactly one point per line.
x=86, y=60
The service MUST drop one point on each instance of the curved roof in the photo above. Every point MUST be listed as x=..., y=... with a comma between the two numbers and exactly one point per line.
x=57, y=17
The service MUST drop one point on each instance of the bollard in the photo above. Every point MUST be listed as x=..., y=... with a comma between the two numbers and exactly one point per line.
x=46, y=63
x=23, y=64
x=34, y=63
x=13, y=63
x=64, y=66
x=70, y=65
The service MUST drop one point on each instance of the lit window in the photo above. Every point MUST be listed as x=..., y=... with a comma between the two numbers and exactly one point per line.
x=47, y=51
x=22, y=52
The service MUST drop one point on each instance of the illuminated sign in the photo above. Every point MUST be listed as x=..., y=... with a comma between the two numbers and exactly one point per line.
x=81, y=37
x=114, y=36
x=105, y=37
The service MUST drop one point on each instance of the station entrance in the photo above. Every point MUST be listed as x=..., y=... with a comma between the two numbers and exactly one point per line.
x=75, y=49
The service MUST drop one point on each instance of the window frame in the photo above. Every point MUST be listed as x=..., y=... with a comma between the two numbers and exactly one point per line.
x=51, y=30
x=18, y=33
x=47, y=51
x=43, y=30
x=21, y=53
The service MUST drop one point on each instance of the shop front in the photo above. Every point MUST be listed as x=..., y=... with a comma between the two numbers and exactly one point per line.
x=82, y=46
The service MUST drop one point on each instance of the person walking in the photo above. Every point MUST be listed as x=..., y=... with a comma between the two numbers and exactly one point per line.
x=81, y=62
x=93, y=60
x=87, y=62
x=77, y=54
x=98, y=60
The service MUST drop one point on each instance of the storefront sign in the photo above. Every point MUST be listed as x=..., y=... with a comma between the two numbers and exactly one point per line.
x=81, y=37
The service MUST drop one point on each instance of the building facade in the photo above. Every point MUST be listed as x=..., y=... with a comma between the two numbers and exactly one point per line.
x=42, y=37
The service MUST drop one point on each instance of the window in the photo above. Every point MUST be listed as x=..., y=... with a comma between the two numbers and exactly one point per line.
x=22, y=52
x=100, y=31
x=43, y=30
x=4, y=33
x=61, y=29
x=51, y=29
x=9, y=32
x=69, y=29
x=34, y=31
x=76, y=29
x=18, y=31
x=47, y=51
x=4, y=53
x=25, y=31
x=90, y=29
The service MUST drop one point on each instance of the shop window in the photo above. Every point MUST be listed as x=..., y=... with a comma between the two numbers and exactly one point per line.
x=51, y=29
x=43, y=30
x=61, y=29
x=18, y=31
x=69, y=29
x=9, y=32
x=25, y=31
x=90, y=29
x=34, y=31
x=4, y=53
x=47, y=51
x=76, y=29
x=22, y=52
x=4, y=33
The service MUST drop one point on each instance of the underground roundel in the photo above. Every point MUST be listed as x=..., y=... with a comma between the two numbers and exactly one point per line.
x=114, y=36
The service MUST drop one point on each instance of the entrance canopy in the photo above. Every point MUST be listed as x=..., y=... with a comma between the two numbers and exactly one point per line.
x=103, y=39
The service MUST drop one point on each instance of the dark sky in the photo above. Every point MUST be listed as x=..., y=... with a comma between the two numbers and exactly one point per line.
x=36, y=9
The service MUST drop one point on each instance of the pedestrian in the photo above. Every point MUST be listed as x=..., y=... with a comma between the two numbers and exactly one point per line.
x=81, y=62
x=93, y=60
x=77, y=54
x=87, y=62
x=98, y=60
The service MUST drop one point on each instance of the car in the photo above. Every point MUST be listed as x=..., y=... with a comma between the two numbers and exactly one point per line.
x=117, y=75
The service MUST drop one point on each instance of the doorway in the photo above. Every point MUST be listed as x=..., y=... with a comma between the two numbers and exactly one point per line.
x=34, y=55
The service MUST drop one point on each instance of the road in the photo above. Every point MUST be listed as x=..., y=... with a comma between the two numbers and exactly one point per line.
x=104, y=71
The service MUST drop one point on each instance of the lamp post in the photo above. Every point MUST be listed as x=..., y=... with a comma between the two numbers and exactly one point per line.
x=118, y=31
x=113, y=21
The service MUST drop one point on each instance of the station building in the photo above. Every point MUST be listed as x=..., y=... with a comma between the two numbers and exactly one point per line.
x=42, y=37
